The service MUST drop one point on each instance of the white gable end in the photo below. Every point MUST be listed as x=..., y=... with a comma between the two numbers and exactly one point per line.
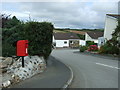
x=110, y=25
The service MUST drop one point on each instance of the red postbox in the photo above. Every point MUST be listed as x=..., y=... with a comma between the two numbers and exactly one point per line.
x=22, y=48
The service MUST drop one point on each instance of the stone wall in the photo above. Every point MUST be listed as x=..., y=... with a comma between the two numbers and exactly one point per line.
x=32, y=66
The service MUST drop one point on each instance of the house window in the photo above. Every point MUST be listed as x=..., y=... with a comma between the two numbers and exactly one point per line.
x=76, y=42
x=71, y=42
x=65, y=42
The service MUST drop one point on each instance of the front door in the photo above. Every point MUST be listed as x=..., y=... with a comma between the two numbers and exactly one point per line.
x=74, y=43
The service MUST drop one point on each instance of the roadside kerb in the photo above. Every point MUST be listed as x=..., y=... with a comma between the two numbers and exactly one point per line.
x=70, y=80
x=71, y=76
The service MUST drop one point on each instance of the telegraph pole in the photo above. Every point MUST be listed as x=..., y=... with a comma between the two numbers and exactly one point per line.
x=29, y=17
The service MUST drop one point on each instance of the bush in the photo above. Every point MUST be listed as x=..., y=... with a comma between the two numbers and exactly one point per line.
x=39, y=35
x=11, y=32
x=93, y=48
x=88, y=43
x=81, y=36
x=109, y=49
x=83, y=48
x=9, y=39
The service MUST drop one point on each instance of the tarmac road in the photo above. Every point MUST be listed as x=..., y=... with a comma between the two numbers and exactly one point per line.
x=89, y=71
x=56, y=76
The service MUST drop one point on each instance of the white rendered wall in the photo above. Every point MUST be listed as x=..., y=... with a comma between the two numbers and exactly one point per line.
x=82, y=42
x=60, y=43
x=101, y=41
x=88, y=38
x=53, y=39
x=110, y=25
x=95, y=41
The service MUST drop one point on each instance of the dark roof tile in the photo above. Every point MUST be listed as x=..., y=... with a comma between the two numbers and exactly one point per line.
x=95, y=35
x=114, y=15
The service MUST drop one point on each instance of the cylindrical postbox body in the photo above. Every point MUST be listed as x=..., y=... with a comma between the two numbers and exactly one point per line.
x=22, y=47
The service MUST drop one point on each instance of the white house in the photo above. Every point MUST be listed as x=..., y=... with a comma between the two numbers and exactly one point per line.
x=93, y=36
x=82, y=42
x=110, y=25
x=66, y=40
x=101, y=41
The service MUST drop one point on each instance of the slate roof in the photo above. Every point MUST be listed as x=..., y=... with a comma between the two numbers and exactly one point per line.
x=95, y=35
x=65, y=36
x=114, y=15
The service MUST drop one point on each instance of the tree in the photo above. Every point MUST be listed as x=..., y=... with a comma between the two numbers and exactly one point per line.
x=116, y=35
x=12, y=31
x=7, y=22
x=12, y=22
x=3, y=20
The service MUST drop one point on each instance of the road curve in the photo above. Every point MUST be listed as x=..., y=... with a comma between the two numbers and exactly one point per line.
x=89, y=71
x=56, y=76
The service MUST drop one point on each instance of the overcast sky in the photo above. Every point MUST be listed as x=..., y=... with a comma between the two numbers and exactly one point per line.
x=64, y=14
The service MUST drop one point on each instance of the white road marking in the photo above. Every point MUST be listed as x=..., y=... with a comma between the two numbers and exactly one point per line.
x=107, y=65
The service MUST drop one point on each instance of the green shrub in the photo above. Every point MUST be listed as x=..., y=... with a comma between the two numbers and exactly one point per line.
x=39, y=35
x=81, y=36
x=9, y=39
x=109, y=49
x=83, y=48
x=88, y=43
x=8, y=50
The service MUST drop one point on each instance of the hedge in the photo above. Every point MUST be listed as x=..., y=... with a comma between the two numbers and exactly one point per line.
x=39, y=35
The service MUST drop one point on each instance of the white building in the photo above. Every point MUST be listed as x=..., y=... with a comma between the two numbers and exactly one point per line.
x=110, y=25
x=67, y=40
x=82, y=42
x=101, y=41
x=93, y=36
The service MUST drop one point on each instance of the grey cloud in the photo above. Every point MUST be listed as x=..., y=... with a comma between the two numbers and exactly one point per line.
x=73, y=15
x=104, y=7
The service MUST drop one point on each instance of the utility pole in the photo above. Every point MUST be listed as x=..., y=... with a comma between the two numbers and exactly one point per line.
x=29, y=17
